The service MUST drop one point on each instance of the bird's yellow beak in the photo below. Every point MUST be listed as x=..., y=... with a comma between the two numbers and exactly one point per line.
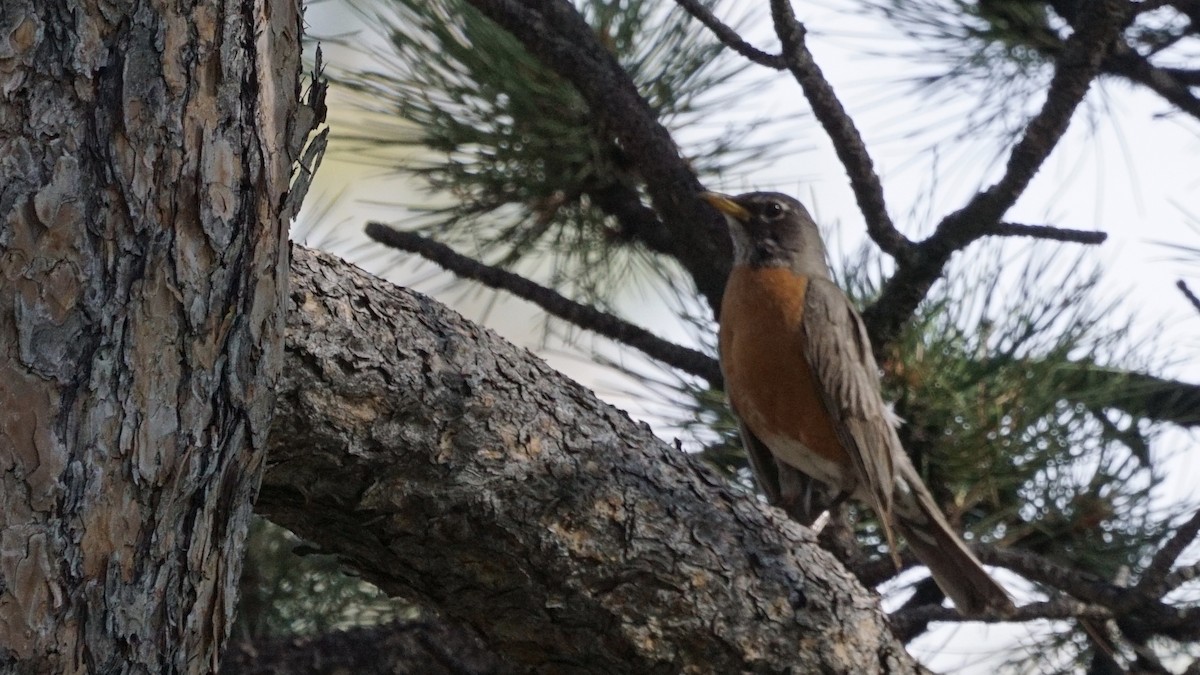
x=726, y=205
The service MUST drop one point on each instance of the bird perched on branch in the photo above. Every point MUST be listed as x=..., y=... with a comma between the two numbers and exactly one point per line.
x=802, y=380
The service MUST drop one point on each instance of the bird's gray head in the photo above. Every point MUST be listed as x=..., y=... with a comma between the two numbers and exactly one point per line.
x=770, y=229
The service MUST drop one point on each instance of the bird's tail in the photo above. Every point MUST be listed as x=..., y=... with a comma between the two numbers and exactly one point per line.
x=955, y=569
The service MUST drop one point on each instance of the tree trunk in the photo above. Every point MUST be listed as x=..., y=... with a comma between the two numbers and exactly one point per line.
x=446, y=465
x=144, y=158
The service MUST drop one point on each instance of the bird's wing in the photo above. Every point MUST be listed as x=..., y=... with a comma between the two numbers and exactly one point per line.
x=839, y=353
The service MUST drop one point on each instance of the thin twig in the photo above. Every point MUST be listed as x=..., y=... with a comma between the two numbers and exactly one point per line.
x=1128, y=63
x=685, y=359
x=1187, y=293
x=1061, y=608
x=1151, y=585
x=1180, y=576
x=1048, y=232
x=729, y=37
x=847, y=141
x=1082, y=585
x=1076, y=68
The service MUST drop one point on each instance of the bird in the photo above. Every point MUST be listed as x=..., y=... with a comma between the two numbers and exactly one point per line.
x=803, y=383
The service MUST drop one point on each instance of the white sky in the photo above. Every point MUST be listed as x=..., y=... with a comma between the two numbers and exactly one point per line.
x=1135, y=176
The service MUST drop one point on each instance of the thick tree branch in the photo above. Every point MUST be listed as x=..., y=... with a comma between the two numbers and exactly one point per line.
x=1077, y=66
x=447, y=466
x=555, y=33
x=613, y=327
x=847, y=142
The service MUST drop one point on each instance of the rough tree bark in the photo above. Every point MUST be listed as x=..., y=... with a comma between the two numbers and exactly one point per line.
x=448, y=466
x=145, y=152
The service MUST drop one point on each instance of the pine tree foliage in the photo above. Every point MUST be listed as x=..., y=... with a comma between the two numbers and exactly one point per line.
x=1005, y=374
x=1001, y=52
x=516, y=167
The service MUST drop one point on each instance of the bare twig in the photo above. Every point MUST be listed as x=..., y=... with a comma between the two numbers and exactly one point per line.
x=685, y=359
x=1152, y=585
x=1060, y=608
x=847, y=141
x=1187, y=293
x=1076, y=67
x=729, y=37
x=1131, y=65
x=1048, y=232
x=1082, y=585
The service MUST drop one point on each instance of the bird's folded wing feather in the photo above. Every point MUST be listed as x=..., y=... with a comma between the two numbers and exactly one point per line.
x=839, y=353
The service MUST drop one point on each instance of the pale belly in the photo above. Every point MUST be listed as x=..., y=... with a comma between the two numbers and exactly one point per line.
x=769, y=381
x=796, y=455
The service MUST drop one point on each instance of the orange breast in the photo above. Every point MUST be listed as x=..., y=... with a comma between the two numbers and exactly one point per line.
x=768, y=379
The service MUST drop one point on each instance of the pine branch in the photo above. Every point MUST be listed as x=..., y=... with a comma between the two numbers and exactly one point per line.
x=688, y=360
x=1180, y=576
x=847, y=141
x=1060, y=608
x=1138, y=394
x=1127, y=63
x=1076, y=68
x=1187, y=293
x=730, y=38
x=558, y=36
x=1082, y=585
x=1047, y=232
x=1153, y=583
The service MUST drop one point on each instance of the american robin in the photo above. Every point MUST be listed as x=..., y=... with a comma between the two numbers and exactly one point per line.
x=803, y=383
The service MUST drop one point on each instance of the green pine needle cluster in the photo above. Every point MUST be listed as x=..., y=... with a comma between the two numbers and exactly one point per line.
x=512, y=160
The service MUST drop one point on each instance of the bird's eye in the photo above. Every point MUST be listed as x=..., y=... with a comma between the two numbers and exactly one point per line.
x=772, y=210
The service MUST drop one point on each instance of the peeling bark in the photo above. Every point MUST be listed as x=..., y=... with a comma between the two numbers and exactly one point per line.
x=145, y=150
x=446, y=465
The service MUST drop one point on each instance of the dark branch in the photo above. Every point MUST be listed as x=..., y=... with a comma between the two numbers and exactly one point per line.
x=1185, y=76
x=637, y=221
x=1138, y=394
x=685, y=359
x=557, y=35
x=847, y=142
x=1082, y=585
x=1153, y=580
x=1061, y=608
x=1129, y=64
x=1180, y=576
x=729, y=36
x=1187, y=293
x=1048, y=232
x=1077, y=66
